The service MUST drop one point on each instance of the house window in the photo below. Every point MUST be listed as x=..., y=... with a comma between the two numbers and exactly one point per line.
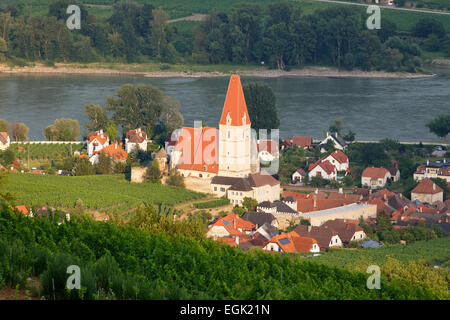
x=215, y=188
x=222, y=189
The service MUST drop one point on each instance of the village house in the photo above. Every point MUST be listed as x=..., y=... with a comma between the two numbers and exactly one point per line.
x=114, y=151
x=375, y=177
x=322, y=168
x=5, y=141
x=292, y=242
x=394, y=173
x=338, y=159
x=339, y=143
x=260, y=218
x=229, y=226
x=347, y=229
x=299, y=175
x=261, y=187
x=427, y=192
x=302, y=142
x=436, y=169
x=326, y=237
x=135, y=139
x=96, y=142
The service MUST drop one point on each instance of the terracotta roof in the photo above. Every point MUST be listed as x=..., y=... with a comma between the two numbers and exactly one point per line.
x=325, y=165
x=235, y=105
x=136, y=136
x=340, y=196
x=427, y=186
x=296, y=195
x=101, y=138
x=4, y=137
x=381, y=205
x=293, y=242
x=21, y=209
x=302, y=141
x=301, y=171
x=196, y=144
x=374, y=173
x=232, y=223
x=339, y=156
x=115, y=152
x=383, y=193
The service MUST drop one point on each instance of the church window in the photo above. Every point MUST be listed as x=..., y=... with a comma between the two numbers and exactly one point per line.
x=228, y=118
x=228, y=134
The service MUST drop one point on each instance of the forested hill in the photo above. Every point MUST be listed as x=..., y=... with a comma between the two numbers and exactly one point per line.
x=281, y=34
x=123, y=262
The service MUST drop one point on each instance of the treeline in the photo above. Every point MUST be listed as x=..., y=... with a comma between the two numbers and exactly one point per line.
x=154, y=258
x=281, y=36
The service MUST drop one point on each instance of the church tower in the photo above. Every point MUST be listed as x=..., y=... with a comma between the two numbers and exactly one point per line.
x=235, y=133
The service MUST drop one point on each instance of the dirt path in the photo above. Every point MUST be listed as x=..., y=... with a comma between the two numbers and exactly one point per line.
x=194, y=17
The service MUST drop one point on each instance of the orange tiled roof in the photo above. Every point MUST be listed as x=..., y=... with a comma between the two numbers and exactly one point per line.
x=302, y=141
x=339, y=156
x=193, y=156
x=136, y=136
x=325, y=165
x=235, y=104
x=21, y=209
x=294, y=242
x=374, y=173
x=232, y=223
x=427, y=186
x=4, y=137
x=102, y=138
x=115, y=152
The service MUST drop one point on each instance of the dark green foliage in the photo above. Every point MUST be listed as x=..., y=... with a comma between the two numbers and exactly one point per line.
x=7, y=157
x=83, y=167
x=440, y=125
x=175, y=179
x=140, y=264
x=105, y=164
x=238, y=210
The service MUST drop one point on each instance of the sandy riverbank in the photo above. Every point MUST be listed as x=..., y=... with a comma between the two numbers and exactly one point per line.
x=266, y=73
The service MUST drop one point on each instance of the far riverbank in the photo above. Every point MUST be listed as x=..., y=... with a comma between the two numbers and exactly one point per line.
x=200, y=71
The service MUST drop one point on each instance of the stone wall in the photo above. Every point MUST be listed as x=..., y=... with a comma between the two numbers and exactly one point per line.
x=138, y=174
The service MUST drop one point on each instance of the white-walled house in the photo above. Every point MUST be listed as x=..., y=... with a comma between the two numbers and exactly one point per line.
x=339, y=143
x=135, y=139
x=5, y=140
x=324, y=169
x=299, y=175
x=339, y=160
x=96, y=142
x=292, y=242
x=375, y=177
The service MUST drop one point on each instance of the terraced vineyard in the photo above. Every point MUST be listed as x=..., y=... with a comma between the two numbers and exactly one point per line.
x=45, y=151
x=96, y=192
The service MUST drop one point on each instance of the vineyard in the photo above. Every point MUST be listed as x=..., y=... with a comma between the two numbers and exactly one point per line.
x=96, y=192
x=123, y=262
x=212, y=203
x=432, y=251
x=39, y=151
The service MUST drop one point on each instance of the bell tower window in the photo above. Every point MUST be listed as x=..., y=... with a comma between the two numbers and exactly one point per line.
x=228, y=118
x=244, y=119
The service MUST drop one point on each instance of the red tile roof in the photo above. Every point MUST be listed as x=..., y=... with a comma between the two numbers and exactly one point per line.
x=232, y=223
x=339, y=156
x=302, y=141
x=235, y=104
x=293, y=242
x=136, y=136
x=101, y=137
x=381, y=205
x=325, y=165
x=427, y=186
x=21, y=209
x=199, y=147
x=115, y=152
x=4, y=137
x=374, y=173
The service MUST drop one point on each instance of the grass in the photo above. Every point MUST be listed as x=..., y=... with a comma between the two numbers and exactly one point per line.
x=432, y=251
x=98, y=191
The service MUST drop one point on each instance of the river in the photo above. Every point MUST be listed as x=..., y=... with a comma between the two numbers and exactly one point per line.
x=372, y=108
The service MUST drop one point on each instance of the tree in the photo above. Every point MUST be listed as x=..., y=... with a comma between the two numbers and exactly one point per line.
x=83, y=167
x=424, y=27
x=383, y=223
x=112, y=132
x=440, y=125
x=159, y=26
x=63, y=129
x=97, y=117
x=4, y=125
x=104, y=164
x=336, y=126
x=136, y=107
x=260, y=101
x=250, y=203
x=329, y=146
x=7, y=157
x=238, y=210
x=3, y=50
x=348, y=181
x=19, y=131
x=318, y=181
x=175, y=179
x=170, y=114
x=153, y=172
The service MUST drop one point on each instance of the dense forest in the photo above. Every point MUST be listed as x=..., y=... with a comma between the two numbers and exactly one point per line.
x=279, y=35
x=158, y=258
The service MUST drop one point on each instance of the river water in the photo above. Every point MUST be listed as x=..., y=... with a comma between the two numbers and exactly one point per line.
x=372, y=108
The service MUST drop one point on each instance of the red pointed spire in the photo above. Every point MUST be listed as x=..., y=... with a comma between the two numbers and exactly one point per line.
x=235, y=107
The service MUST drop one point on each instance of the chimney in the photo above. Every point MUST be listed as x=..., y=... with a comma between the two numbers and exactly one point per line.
x=341, y=190
x=309, y=228
x=315, y=202
x=316, y=191
x=434, y=186
x=237, y=240
x=115, y=146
